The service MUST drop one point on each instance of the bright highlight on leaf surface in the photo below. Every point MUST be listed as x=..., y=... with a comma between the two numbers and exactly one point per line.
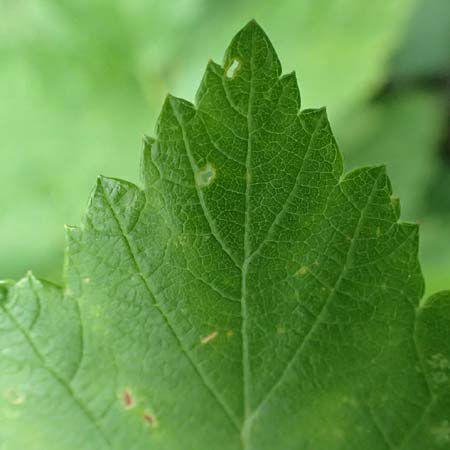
x=249, y=296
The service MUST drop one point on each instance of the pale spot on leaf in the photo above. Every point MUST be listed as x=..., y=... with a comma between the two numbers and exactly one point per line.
x=205, y=176
x=15, y=396
x=233, y=68
x=210, y=337
x=441, y=432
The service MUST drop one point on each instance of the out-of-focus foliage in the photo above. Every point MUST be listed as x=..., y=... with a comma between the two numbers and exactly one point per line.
x=82, y=80
x=426, y=49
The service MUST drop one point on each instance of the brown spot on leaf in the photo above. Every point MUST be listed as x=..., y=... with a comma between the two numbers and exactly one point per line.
x=149, y=419
x=127, y=398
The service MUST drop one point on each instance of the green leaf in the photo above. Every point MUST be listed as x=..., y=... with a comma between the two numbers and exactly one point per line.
x=426, y=47
x=250, y=296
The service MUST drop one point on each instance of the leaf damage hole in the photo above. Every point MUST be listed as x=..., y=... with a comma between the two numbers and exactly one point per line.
x=128, y=399
x=209, y=338
x=205, y=176
x=233, y=68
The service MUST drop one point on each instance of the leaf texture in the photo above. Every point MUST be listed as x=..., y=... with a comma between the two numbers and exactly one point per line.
x=250, y=296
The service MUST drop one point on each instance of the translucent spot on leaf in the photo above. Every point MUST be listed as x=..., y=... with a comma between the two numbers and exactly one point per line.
x=230, y=333
x=350, y=401
x=15, y=396
x=184, y=239
x=302, y=271
x=68, y=292
x=209, y=338
x=378, y=231
x=233, y=68
x=149, y=419
x=127, y=399
x=248, y=176
x=86, y=280
x=441, y=433
x=205, y=176
x=440, y=365
x=281, y=330
x=439, y=361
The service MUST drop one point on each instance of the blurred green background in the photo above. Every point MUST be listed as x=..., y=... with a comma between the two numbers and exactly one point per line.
x=81, y=81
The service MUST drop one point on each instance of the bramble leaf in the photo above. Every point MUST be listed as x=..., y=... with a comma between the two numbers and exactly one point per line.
x=250, y=296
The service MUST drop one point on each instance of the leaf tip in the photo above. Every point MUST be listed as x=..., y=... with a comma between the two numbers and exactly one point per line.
x=253, y=50
x=253, y=25
x=30, y=277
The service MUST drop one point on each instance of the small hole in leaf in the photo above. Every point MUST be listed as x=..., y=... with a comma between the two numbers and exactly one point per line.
x=233, y=68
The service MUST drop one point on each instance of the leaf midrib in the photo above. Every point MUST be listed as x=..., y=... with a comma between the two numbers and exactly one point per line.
x=246, y=374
